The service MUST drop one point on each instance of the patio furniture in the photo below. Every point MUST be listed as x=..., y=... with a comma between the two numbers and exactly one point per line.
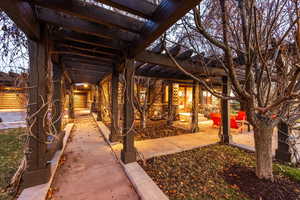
x=242, y=122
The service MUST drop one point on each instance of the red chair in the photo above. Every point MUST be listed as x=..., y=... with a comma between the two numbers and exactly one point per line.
x=216, y=119
x=241, y=119
x=233, y=123
x=241, y=115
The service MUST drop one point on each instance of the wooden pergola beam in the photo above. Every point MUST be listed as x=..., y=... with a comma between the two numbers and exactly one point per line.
x=89, y=48
x=164, y=60
x=64, y=35
x=140, y=8
x=102, y=68
x=22, y=15
x=84, y=60
x=76, y=52
x=173, y=51
x=85, y=71
x=165, y=15
x=92, y=13
x=83, y=26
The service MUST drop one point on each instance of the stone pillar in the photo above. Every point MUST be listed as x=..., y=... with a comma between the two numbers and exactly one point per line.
x=195, y=111
x=170, y=104
x=114, y=135
x=128, y=153
x=282, y=152
x=225, y=107
x=38, y=169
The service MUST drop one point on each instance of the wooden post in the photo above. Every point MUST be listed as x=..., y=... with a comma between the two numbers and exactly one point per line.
x=201, y=96
x=71, y=103
x=282, y=152
x=38, y=169
x=114, y=136
x=226, y=136
x=170, y=104
x=128, y=153
x=195, y=111
x=57, y=109
x=99, y=103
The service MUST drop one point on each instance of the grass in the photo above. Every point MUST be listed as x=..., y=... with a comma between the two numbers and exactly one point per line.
x=10, y=157
x=219, y=172
x=293, y=173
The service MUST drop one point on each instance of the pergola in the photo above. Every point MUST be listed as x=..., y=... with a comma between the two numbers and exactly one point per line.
x=84, y=43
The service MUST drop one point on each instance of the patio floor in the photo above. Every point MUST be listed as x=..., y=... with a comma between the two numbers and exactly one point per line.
x=90, y=170
x=207, y=135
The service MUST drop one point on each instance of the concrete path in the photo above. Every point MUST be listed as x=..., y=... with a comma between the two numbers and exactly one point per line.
x=12, y=118
x=90, y=171
x=206, y=136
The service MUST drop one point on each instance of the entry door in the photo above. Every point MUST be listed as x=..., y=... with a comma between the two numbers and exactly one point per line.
x=80, y=100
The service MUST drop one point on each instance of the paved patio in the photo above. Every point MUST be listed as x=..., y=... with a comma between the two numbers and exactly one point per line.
x=167, y=145
x=90, y=170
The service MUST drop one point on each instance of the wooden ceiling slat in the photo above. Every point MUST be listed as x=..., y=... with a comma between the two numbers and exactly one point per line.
x=22, y=15
x=140, y=8
x=82, y=26
x=89, y=48
x=78, y=53
x=87, y=39
x=84, y=60
x=99, y=56
x=166, y=14
x=88, y=67
x=93, y=13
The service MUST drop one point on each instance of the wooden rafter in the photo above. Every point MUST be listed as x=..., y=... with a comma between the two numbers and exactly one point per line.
x=165, y=15
x=142, y=8
x=89, y=48
x=87, y=39
x=83, y=26
x=92, y=13
x=164, y=60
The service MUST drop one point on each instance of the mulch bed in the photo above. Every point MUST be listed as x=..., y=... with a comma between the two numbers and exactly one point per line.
x=155, y=129
x=217, y=172
x=158, y=129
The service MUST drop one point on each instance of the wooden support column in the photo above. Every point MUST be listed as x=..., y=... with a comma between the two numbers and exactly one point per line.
x=225, y=107
x=128, y=153
x=99, y=103
x=195, y=111
x=38, y=169
x=282, y=152
x=114, y=134
x=202, y=102
x=57, y=109
x=170, y=104
x=71, y=103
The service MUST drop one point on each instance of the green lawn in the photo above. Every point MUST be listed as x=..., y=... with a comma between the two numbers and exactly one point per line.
x=10, y=157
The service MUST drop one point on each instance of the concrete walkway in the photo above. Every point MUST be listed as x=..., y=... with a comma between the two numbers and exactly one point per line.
x=168, y=145
x=90, y=171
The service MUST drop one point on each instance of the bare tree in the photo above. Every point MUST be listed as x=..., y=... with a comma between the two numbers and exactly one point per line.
x=255, y=43
x=144, y=101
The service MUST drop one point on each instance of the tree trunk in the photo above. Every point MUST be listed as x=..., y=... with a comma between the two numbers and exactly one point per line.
x=263, y=150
